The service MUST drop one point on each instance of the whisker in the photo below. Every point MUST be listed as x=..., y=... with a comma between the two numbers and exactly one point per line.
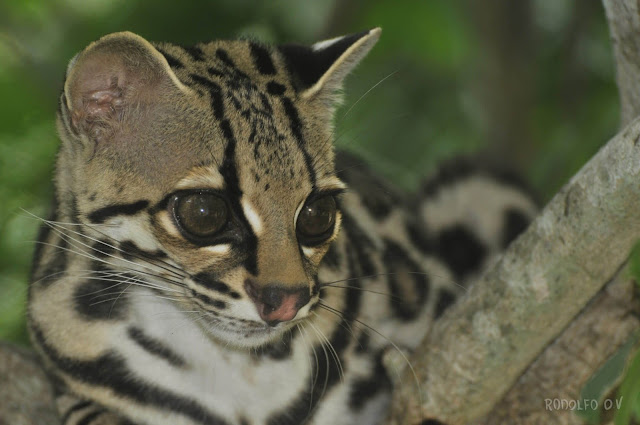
x=371, y=276
x=165, y=266
x=314, y=380
x=393, y=344
x=394, y=297
x=60, y=225
x=367, y=92
x=93, y=257
x=332, y=350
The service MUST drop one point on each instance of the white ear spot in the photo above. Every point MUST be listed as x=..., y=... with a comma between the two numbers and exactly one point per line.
x=308, y=251
x=252, y=216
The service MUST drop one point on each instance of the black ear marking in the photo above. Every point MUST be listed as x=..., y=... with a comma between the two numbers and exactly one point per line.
x=323, y=66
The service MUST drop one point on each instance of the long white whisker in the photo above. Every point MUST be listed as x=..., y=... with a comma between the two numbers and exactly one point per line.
x=393, y=344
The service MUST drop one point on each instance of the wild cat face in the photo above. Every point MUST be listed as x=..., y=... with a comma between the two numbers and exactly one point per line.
x=215, y=164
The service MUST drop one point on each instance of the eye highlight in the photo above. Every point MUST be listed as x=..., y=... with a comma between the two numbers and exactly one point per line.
x=316, y=220
x=199, y=215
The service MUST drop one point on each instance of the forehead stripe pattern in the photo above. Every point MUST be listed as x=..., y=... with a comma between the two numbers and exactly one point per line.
x=296, y=129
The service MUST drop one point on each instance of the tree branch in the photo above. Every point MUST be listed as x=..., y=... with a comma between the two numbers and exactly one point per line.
x=475, y=354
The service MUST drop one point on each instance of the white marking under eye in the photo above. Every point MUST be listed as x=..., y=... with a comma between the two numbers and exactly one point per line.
x=168, y=224
x=252, y=217
x=308, y=251
x=218, y=249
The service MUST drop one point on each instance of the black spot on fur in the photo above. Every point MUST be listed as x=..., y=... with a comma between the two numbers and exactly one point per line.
x=209, y=301
x=103, y=214
x=75, y=408
x=130, y=251
x=262, y=59
x=195, y=52
x=360, y=245
x=209, y=282
x=377, y=196
x=56, y=266
x=215, y=72
x=419, y=238
x=171, y=60
x=364, y=341
x=432, y=422
x=515, y=222
x=280, y=349
x=408, y=287
x=445, y=299
x=224, y=57
x=275, y=89
x=155, y=347
x=103, y=249
x=90, y=417
x=364, y=389
x=100, y=299
x=461, y=250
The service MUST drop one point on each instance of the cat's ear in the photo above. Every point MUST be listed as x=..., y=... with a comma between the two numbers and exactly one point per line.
x=118, y=76
x=319, y=70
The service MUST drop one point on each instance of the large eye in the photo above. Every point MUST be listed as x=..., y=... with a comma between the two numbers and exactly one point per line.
x=316, y=219
x=200, y=214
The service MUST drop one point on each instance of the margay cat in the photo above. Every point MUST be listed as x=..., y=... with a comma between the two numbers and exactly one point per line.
x=209, y=261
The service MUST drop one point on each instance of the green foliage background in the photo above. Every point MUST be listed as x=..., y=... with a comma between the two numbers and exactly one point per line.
x=530, y=83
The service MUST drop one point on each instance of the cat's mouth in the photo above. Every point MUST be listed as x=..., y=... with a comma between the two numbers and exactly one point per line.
x=243, y=333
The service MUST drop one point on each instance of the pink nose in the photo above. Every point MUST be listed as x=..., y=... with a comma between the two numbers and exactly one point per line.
x=275, y=303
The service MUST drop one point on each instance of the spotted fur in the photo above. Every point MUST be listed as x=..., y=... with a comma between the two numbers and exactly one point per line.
x=140, y=322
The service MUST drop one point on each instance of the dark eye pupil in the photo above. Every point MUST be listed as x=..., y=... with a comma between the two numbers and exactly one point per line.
x=317, y=217
x=201, y=214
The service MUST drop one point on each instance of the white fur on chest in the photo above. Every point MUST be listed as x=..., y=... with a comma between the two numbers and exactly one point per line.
x=231, y=383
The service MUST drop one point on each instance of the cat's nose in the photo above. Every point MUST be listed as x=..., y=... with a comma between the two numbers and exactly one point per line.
x=277, y=303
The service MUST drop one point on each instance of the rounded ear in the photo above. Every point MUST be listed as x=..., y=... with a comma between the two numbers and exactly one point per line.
x=109, y=80
x=319, y=70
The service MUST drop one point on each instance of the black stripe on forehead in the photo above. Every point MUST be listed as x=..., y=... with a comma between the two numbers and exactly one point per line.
x=215, y=91
x=296, y=128
x=230, y=174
